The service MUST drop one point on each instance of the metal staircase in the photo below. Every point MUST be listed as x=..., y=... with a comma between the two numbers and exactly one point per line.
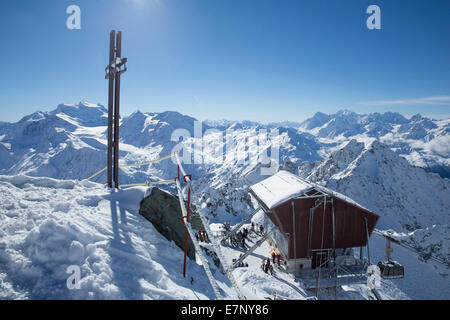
x=236, y=228
x=198, y=250
x=249, y=252
x=213, y=240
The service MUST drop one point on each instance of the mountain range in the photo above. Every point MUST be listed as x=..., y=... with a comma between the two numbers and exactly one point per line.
x=392, y=165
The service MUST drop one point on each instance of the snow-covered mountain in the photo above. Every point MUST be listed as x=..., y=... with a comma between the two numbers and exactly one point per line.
x=408, y=198
x=70, y=143
x=41, y=144
x=64, y=143
x=422, y=141
x=376, y=159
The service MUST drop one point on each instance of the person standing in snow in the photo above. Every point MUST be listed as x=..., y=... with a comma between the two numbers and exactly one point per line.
x=267, y=266
x=273, y=257
x=278, y=259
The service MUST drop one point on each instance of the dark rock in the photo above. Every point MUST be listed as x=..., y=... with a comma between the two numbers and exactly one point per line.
x=163, y=210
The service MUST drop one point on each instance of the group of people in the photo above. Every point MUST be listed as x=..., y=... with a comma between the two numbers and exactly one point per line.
x=242, y=264
x=266, y=266
x=254, y=228
x=238, y=239
x=276, y=255
x=201, y=236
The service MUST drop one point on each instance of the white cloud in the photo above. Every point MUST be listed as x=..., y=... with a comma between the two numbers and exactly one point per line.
x=435, y=100
x=141, y=3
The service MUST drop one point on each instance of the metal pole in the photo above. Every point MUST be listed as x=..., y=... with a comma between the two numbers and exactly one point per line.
x=295, y=239
x=317, y=286
x=334, y=228
x=186, y=234
x=112, y=37
x=367, y=236
x=309, y=233
x=117, y=112
x=334, y=249
x=388, y=249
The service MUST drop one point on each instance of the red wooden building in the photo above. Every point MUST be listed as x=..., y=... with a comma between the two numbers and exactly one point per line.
x=311, y=222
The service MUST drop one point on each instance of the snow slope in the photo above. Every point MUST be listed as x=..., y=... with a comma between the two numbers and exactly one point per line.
x=47, y=225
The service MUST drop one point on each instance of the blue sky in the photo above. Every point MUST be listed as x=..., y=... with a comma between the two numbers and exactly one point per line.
x=233, y=59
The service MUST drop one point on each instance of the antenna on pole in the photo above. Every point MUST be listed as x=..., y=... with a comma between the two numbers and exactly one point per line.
x=113, y=72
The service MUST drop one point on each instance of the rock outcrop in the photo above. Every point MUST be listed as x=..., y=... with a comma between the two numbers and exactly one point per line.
x=163, y=210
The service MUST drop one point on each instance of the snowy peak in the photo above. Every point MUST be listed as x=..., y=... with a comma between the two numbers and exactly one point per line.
x=422, y=141
x=318, y=120
x=175, y=119
x=346, y=113
x=232, y=124
x=144, y=129
x=349, y=123
x=418, y=128
x=337, y=162
x=387, y=117
x=386, y=183
x=84, y=113
x=285, y=124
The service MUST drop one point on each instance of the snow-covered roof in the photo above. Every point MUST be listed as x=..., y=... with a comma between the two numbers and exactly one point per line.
x=284, y=185
x=280, y=187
